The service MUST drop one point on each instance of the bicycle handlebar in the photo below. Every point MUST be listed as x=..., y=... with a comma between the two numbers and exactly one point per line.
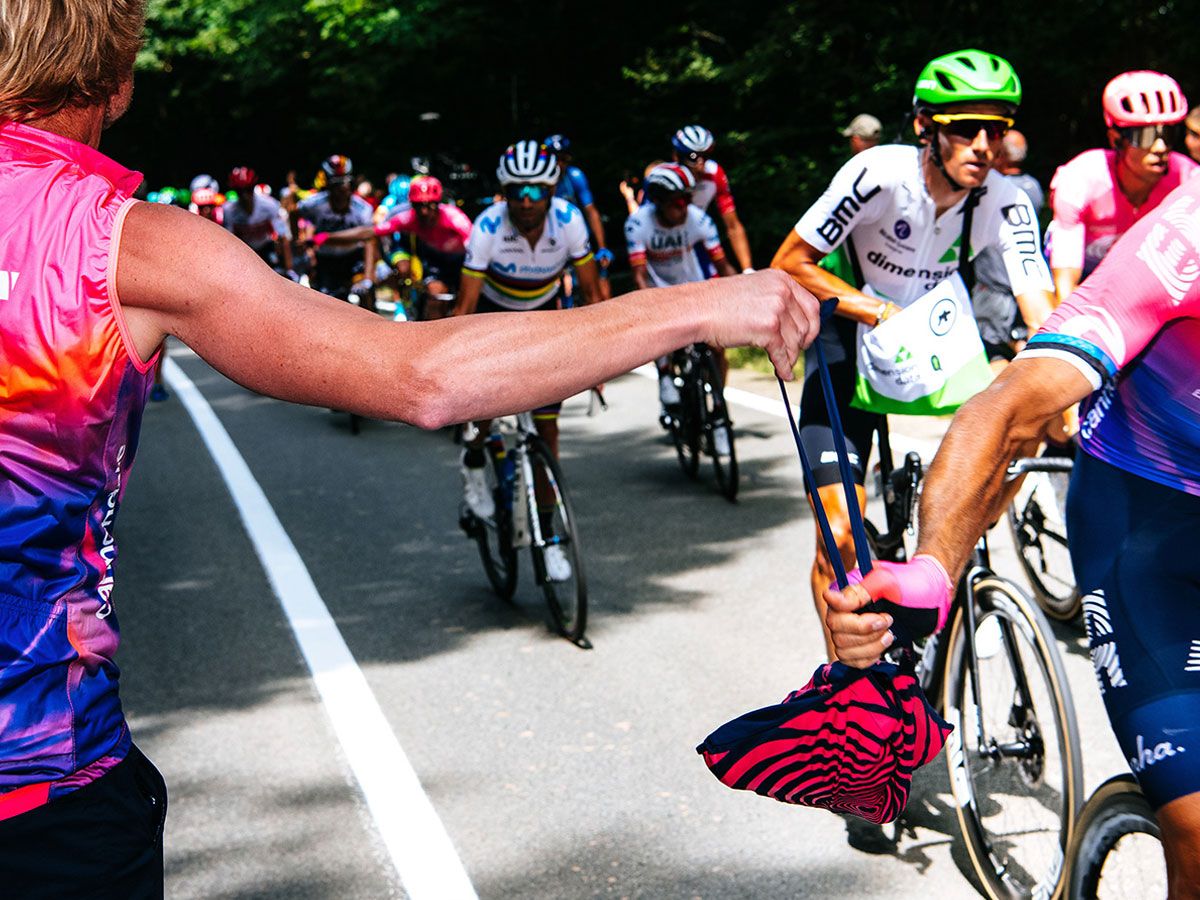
x=1019, y=467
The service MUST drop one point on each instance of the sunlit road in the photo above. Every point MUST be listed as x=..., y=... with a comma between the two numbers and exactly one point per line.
x=556, y=772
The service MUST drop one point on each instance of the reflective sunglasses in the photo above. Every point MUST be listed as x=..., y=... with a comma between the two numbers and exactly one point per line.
x=425, y=205
x=533, y=192
x=966, y=125
x=1145, y=136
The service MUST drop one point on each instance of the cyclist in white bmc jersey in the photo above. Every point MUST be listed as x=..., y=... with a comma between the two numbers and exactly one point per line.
x=516, y=255
x=663, y=238
x=901, y=211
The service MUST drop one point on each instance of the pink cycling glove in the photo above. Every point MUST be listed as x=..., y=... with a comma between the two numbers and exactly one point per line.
x=319, y=238
x=915, y=594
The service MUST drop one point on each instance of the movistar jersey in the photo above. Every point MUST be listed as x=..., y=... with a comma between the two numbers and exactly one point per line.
x=516, y=275
x=668, y=253
x=902, y=244
x=573, y=187
x=1133, y=329
x=72, y=390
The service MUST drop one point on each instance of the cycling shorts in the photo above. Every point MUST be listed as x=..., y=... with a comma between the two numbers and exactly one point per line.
x=838, y=336
x=485, y=305
x=334, y=275
x=1133, y=546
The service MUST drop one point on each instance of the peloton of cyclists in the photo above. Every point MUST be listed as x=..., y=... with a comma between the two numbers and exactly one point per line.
x=336, y=208
x=662, y=238
x=517, y=252
x=439, y=231
x=691, y=145
x=259, y=221
x=900, y=211
x=1100, y=194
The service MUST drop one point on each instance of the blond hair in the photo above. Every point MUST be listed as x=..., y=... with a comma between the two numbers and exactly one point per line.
x=60, y=53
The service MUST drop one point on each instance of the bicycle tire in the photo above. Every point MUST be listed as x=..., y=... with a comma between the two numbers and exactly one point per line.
x=1113, y=815
x=1015, y=814
x=716, y=414
x=1041, y=545
x=496, y=550
x=566, y=600
x=685, y=430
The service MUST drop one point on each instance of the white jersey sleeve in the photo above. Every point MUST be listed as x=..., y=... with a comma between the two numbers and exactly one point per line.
x=855, y=194
x=1006, y=212
x=482, y=240
x=705, y=231
x=635, y=236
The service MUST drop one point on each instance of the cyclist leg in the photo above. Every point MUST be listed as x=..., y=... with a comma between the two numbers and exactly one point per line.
x=472, y=464
x=1132, y=544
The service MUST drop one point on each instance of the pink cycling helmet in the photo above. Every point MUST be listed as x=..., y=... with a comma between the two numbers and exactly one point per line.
x=1143, y=98
x=425, y=189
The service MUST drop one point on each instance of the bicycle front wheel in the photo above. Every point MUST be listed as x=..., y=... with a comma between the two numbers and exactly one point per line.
x=1117, y=848
x=1038, y=520
x=1014, y=756
x=716, y=416
x=494, y=537
x=566, y=588
x=685, y=430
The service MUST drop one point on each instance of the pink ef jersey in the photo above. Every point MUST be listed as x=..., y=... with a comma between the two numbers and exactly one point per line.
x=447, y=235
x=1090, y=210
x=1133, y=330
x=713, y=184
x=72, y=392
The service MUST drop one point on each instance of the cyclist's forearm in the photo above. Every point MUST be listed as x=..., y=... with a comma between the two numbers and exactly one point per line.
x=823, y=284
x=350, y=235
x=285, y=253
x=739, y=242
x=596, y=225
x=968, y=478
x=1065, y=282
x=1035, y=307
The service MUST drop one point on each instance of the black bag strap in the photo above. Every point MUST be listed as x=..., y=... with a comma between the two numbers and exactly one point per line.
x=855, y=265
x=966, y=267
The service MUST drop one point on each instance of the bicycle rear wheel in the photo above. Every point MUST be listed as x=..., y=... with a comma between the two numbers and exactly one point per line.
x=567, y=598
x=494, y=537
x=716, y=415
x=1117, y=848
x=1014, y=756
x=1038, y=521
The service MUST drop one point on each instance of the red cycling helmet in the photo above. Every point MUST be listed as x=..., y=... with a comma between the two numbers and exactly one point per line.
x=242, y=178
x=207, y=197
x=1143, y=98
x=425, y=189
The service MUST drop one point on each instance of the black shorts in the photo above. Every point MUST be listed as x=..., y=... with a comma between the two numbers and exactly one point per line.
x=103, y=841
x=335, y=274
x=838, y=337
x=1133, y=545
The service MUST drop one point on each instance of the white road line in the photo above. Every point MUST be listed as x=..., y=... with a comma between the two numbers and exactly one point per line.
x=420, y=848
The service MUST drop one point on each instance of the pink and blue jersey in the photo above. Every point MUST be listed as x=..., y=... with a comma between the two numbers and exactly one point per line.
x=72, y=392
x=1133, y=329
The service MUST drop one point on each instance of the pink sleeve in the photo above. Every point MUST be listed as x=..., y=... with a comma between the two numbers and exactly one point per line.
x=460, y=222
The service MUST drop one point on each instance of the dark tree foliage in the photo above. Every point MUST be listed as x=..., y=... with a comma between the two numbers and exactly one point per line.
x=279, y=84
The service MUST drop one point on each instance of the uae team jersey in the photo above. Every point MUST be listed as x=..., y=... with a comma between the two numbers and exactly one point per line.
x=261, y=225
x=669, y=253
x=904, y=247
x=1133, y=330
x=516, y=275
x=72, y=390
x=1090, y=210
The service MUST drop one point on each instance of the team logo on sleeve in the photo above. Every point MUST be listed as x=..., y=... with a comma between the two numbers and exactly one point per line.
x=846, y=209
x=1172, y=254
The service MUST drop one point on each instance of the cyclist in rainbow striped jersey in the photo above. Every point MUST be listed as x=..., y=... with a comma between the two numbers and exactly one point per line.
x=1100, y=194
x=516, y=255
x=1126, y=343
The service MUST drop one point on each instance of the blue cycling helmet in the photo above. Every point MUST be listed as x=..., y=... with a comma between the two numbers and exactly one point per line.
x=398, y=189
x=692, y=139
x=558, y=143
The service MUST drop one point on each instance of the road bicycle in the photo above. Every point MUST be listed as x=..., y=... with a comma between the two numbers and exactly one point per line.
x=1116, y=851
x=996, y=675
x=1037, y=517
x=534, y=511
x=700, y=423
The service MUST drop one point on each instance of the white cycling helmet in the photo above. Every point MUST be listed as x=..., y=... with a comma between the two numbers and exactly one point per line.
x=527, y=162
x=692, y=139
x=204, y=183
x=670, y=178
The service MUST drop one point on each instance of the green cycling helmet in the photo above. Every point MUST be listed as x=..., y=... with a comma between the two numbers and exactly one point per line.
x=967, y=76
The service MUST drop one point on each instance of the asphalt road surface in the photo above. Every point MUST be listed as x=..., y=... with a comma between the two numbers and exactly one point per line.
x=552, y=771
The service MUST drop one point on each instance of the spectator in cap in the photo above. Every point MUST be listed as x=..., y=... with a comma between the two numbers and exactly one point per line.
x=1192, y=133
x=864, y=132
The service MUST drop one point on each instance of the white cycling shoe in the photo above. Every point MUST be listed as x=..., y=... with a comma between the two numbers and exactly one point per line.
x=558, y=567
x=476, y=493
x=668, y=393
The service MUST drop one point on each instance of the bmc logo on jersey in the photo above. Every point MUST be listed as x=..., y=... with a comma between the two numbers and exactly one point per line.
x=846, y=209
x=8, y=281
